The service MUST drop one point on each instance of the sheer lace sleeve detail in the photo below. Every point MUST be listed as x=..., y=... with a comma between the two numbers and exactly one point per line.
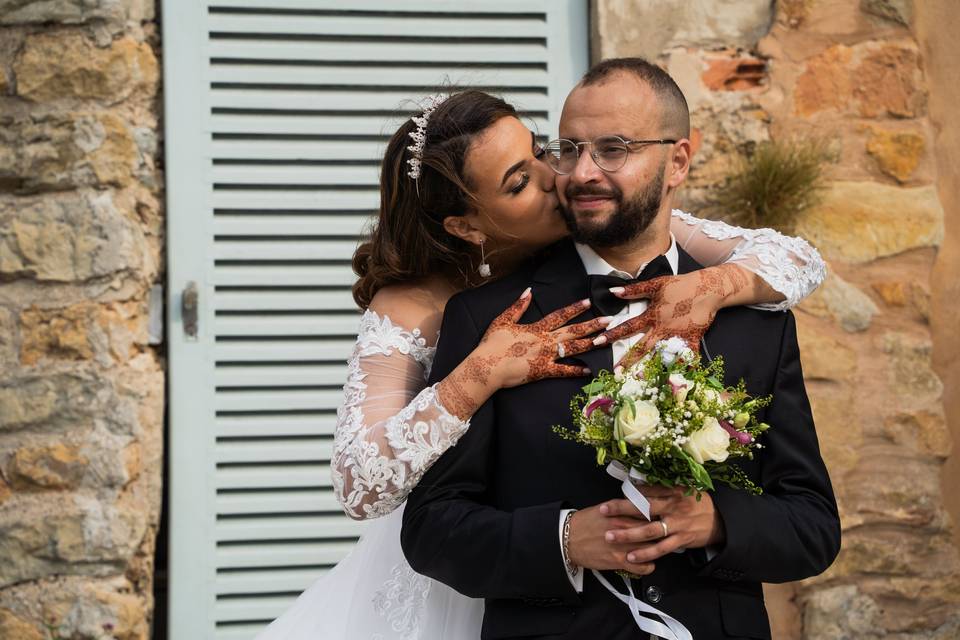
x=789, y=264
x=391, y=426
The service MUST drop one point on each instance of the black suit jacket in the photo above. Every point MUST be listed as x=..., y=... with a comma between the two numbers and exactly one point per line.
x=484, y=519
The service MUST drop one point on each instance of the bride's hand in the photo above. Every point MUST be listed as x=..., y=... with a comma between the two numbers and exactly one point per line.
x=521, y=353
x=511, y=354
x=683, y=305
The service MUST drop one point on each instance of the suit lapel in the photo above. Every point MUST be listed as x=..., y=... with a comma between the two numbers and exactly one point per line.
x=559, y=281
x=685, y=262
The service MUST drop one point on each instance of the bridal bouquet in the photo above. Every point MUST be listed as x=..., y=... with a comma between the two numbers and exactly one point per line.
x=669, y=420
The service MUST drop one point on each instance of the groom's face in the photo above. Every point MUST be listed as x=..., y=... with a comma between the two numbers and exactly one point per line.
x=604, y=208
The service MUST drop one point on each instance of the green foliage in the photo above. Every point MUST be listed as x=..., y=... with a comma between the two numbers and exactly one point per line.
x=774, y=185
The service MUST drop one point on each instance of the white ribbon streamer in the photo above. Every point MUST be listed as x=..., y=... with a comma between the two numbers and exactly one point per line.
x=620, y=472
x=673, y=630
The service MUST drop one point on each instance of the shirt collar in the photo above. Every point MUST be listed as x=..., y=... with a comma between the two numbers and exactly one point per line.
x=597, y=266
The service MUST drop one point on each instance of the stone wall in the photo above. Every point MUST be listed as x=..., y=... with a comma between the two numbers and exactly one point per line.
x=81, y=387
x=849, y=72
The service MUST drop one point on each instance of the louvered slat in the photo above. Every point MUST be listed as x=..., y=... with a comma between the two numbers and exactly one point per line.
x=530, y=26
x=278, y=424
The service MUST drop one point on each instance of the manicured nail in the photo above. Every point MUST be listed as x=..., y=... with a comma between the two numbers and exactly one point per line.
x=605, y=320
x=585, y=302
x=604, y=509
x=586, y=371
x=631, y=557
x=609, y=536
x=617, y=290
x=618, y=370
x=525, y=294
x=599, y=340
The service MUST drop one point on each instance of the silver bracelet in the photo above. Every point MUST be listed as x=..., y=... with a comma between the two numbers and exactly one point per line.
x=565, y=544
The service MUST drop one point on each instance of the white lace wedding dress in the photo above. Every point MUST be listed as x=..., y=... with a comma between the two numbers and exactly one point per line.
x=392, y=427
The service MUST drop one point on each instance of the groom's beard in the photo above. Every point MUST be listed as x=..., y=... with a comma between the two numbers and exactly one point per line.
x=629, y=219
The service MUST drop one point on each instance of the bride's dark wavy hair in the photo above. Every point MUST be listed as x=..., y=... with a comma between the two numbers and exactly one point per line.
x=408, y=240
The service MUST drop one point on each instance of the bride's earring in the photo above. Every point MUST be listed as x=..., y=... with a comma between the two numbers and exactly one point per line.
x=484, y=268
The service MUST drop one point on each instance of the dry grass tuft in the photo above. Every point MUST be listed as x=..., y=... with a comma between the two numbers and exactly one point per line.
x=774, y=185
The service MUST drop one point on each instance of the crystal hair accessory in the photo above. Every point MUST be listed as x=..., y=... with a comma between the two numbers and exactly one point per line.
x=420, y=135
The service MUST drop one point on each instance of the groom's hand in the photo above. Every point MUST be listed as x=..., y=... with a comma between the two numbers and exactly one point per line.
x=589, y=549
x=690, y=523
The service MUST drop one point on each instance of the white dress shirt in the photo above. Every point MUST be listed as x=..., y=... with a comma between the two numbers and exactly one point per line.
x=597, y=266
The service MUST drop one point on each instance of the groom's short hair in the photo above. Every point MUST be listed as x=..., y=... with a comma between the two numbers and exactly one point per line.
x=675, y=113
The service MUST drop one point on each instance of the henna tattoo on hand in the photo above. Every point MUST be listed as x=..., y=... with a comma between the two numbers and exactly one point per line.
x=455, y=399
x=510, y=354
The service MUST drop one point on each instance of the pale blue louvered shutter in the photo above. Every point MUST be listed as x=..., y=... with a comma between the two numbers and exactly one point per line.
x=276, y=115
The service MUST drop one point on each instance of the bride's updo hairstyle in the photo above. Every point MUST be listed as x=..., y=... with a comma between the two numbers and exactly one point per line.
x=408, y=241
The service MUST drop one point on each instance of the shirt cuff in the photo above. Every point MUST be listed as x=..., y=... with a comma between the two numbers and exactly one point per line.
x=574, y=573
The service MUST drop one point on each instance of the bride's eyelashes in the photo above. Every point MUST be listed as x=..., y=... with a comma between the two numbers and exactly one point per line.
x=522, y=183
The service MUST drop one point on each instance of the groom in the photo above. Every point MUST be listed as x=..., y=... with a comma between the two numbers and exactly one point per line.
x=518, y=516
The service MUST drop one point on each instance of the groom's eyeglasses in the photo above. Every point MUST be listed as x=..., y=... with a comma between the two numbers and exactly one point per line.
x=609, y=152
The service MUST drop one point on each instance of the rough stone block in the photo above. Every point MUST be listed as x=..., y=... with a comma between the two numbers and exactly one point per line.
x=56, y=466
x=108, y=333
x=53, y=67
x=923, y=430
x=842, y=612
x=16, y=628
x=843, y=302
x=648, y=27
x=63, y=151
x=74, y=11
x=69, y=238
x=79, y=608
x=871, y=80
x=897, y=152
x=77, y=535
x=899, y=11
x=861, y=221
x=824, y=356
x=910, y=367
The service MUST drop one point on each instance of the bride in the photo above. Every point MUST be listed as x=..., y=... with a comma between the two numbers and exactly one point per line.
x=434, y=237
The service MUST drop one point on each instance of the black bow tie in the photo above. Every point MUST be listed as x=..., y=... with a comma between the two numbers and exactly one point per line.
x=608, y=304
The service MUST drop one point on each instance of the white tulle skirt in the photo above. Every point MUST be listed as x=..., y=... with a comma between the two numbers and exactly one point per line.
x=373, y=594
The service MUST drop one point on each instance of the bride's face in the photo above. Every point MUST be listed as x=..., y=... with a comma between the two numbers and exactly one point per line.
x=518, y=207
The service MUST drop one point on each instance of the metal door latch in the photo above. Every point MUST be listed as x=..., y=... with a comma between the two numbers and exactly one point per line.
x=189, y=301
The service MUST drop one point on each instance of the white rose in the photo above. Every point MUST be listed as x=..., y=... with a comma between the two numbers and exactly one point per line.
x=709, y=443
x=634, y=425
x=631, y=387
x=680, y=385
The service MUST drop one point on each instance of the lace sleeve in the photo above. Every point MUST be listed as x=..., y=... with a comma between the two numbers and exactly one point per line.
x=790, y=265
x=391, y=427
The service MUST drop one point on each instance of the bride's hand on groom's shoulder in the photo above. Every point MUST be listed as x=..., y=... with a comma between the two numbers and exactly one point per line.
x=687, y=522
x=590, y=548
x=683, y=305
x=520, y=353
x=511, y=354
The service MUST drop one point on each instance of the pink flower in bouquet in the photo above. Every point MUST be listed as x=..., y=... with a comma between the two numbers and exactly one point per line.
x=740, y=436
x=680, y=386
x=603, y=403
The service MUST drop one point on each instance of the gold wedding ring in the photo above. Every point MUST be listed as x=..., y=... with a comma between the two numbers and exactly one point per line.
x=663, y=523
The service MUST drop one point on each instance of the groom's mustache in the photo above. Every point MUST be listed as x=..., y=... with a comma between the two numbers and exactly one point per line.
x=573, y=192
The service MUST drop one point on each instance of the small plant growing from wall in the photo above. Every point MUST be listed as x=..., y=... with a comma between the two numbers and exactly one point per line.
x=774, y=184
